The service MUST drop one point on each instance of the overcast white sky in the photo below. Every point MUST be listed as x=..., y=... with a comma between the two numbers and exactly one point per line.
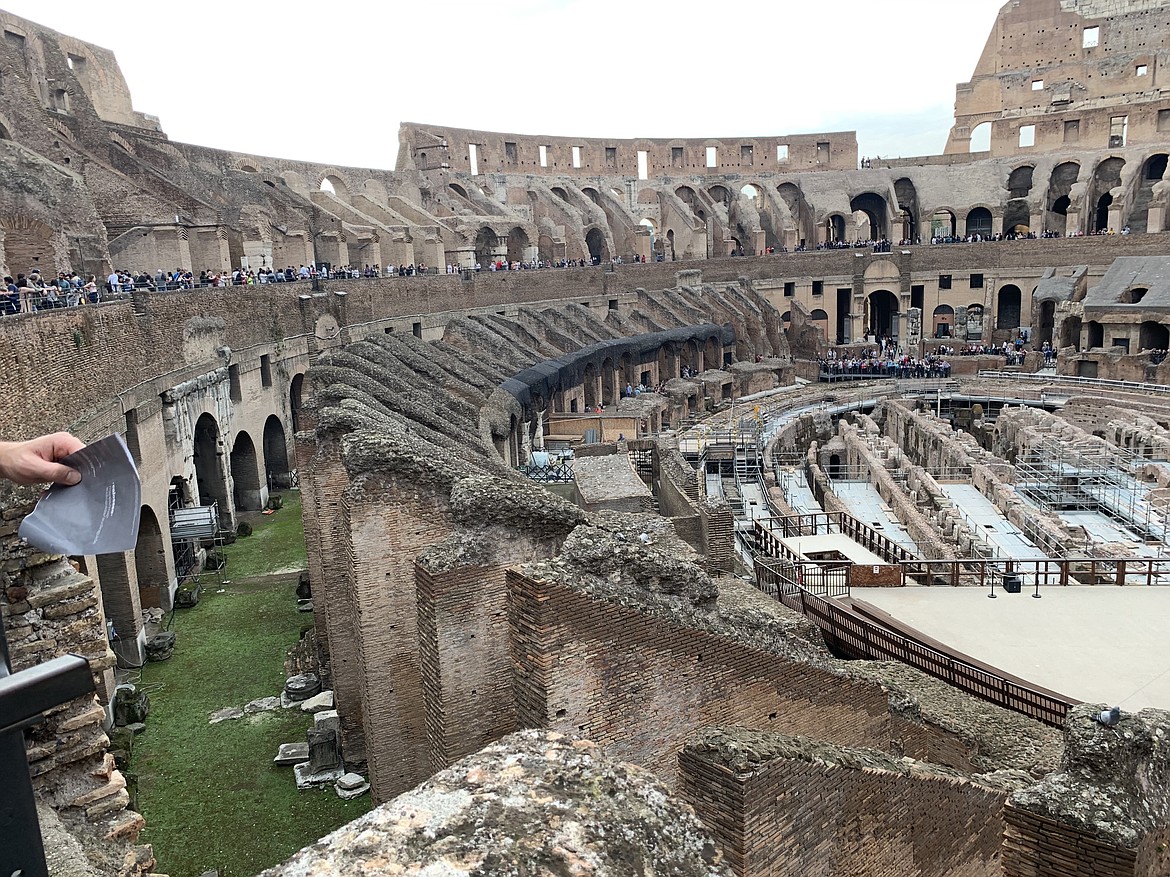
x=330, y=82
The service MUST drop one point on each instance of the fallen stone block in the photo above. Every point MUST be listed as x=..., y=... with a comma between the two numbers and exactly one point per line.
x=290, y=754
x=322, y=701
x=224, y=715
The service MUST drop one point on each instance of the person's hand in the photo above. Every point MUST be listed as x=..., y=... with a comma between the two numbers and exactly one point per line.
x=35, y=461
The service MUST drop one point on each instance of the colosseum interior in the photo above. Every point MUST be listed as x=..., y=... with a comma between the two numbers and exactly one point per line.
x=701, y=482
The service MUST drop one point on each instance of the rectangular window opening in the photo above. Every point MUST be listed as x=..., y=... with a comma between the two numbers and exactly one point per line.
x=1027, y=135
x=712, y=156
x=1141, y=70
x=1037, y=85
x=976, y=281
x=473, y=158
x=576, y=156
x=676, y=156
x=510, y=155
x=818, y=287
x=789, y=289
x=611, y=156
x=1090, y=37
x=782, y=152
x=944, y=281
x=416, y=329
x=1118, y=130
x=1164, y=120
x=746, y=155
x=1072, y=130
x=265, y=370
x=544, y=156
x=823, y=152
x=234, y=388
x=643, y=164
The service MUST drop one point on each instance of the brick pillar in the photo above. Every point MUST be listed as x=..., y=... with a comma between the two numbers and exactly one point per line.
x=119, y=586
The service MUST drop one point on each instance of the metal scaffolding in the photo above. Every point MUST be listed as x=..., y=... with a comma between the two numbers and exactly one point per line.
x=1061, y=477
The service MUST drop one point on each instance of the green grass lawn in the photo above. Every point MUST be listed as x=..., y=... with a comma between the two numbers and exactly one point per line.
x=211, y=795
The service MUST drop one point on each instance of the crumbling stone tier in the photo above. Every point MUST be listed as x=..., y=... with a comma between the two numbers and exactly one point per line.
x=541, y=672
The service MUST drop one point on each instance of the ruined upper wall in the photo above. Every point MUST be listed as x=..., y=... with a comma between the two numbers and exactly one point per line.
x=61, y=68
x=428, y=147
x=1070, y=68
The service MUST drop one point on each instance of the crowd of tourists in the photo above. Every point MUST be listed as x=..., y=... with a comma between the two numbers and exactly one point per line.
x=886, y=361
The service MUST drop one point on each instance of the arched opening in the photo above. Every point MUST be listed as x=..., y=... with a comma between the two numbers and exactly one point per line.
x=980, y=138
x=1094, y=335
x=1060, y=184
x=486, y=244
x=1070, y=332
x=974, y=322
x=655, y=244
x=802, y=218
x=179, y=497
x=907, y=196
x=689, y=356
x=248, y=492
x=667, y=362
x=942, y=224
x=786, y=320
x=720, y=194
x=458, y=190
x=295, y=391
x=210, y=476
x=1153, y=336
x=609, y=382
x=712, y=354
x=276, y=468
x=1101, y=218
x=1045, y=321
x=1007, y=307
x=835, y=228
x=670, y=242
x=875, y=209
x=1017, y=218
x=979, y=222
x=1020, y=181
x=150, y=562
x=820, y=319
x=944, y=321
x=1133, y=295
x=517, y=245
x=590, y=386
x=1155, y=167
x=751, y=192
x=335, y=186
x=560, y=193
x=598, y=249
x=883, y=313
x=835, y=466
x=28, y=244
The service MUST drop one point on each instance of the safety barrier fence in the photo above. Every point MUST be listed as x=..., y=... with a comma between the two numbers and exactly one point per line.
x=859, y=637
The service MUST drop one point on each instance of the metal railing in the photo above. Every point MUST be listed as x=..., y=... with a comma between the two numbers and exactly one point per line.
x=859, y=637
x=1039, y=572
x=1071, y=380
x=553, y=473
x=770, y=531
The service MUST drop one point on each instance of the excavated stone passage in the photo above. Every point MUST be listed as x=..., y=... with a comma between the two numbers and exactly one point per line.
x=533, y=803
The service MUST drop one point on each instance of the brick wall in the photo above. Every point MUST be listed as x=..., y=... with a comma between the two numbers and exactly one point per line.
x=810, y=817
x=1036, y=846
x=463, y=639
x=386, y=521
x=639, y=684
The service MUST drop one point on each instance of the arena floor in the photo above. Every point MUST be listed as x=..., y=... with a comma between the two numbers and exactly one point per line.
x=1099, y=644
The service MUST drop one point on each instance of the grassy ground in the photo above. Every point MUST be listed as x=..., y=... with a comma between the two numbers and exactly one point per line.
x=211, y=796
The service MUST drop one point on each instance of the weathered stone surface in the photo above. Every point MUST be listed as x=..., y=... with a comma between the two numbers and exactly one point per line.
x=188, y=595
x=289, y=754
x=130, y=705
x=226, y=714
x=161, y=646
x=262, y=705
x=351, y=781
x=318, y=702
x=324, y=749
x=328, y=719
x=308, y=779
x=1114, y=782
x=302, y=686
x=536, y=802
x=350, y=794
